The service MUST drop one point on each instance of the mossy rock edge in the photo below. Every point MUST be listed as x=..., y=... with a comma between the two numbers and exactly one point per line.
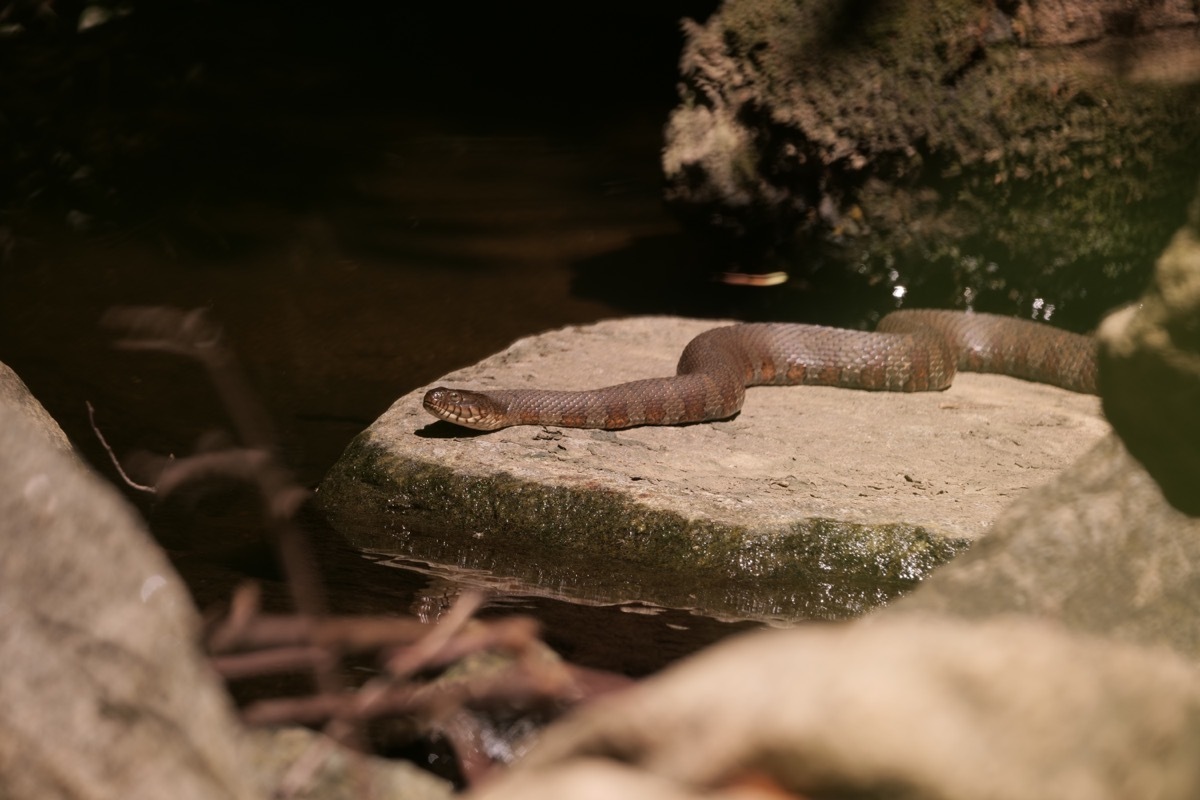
x=598, y=545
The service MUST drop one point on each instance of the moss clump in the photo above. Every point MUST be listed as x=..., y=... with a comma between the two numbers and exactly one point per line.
x=931, y=147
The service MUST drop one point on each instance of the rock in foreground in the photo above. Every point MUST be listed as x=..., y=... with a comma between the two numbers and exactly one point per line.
x=813, y=502
x=918, y=707
x=105, y=692
x=1112, y=546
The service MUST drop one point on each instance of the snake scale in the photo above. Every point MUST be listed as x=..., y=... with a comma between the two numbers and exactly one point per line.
x=910, y=351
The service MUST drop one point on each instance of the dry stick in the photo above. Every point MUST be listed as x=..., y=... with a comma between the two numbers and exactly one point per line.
x=344, y=713
x=193, y=335
x=519, y=683
x=242, y=613
x=349, y=633
x=281, y=500
x=515, y=634
x=130, y=482
x=293, y=641
x=416, y=657
x=347, y=713
x=419, y=654
x=271, y=662
x=369, y=699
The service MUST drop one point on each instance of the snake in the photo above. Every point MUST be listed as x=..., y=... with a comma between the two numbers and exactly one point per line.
x=912, y=350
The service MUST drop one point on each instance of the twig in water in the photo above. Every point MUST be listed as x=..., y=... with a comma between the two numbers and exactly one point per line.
x=130, y=482
x=193, y=335
x=249, y=643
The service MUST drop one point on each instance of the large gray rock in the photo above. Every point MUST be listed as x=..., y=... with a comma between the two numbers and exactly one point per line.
x=1150, y=374
x=914, y=707
x=1098, y=549
x=105, y=692
x=814, y=501
x=15, y=397
x=1113, y=544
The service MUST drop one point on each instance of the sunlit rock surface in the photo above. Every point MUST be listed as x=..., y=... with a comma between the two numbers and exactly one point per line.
x=814, y=501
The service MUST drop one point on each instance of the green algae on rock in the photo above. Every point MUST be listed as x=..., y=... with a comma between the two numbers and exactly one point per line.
x=599, y=545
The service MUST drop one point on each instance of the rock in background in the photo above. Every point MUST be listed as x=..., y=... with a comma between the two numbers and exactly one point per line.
x=1011, y=156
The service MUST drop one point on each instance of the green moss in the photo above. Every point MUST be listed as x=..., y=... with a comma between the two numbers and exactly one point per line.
x=599, y=544
x=953, y=149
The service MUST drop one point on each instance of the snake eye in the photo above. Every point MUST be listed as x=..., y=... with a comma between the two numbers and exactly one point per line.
x=440, y=396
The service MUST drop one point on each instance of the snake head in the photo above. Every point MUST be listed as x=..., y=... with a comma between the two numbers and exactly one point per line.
x=466, y=408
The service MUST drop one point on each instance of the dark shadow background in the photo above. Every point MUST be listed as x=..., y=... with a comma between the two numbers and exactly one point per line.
x=366, y=196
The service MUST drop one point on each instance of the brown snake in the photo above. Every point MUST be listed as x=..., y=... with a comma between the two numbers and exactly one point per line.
x=911, y=351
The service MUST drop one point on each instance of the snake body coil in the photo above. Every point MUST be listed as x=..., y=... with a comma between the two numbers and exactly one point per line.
x=911, y=351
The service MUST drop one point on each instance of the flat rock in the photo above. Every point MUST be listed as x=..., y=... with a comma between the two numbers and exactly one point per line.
x=813, y=501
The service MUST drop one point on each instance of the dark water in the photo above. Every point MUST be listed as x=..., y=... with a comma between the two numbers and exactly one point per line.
x=452, y=245
x=365, y=198
x=365, y=201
